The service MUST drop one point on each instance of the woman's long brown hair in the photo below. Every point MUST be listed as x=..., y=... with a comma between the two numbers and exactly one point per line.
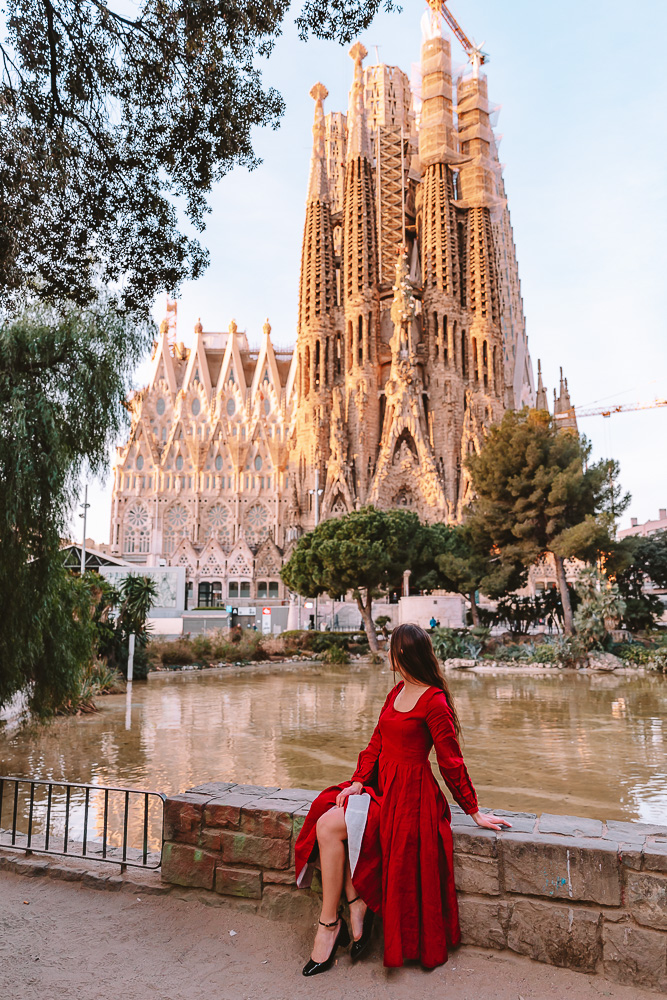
x=411, y=649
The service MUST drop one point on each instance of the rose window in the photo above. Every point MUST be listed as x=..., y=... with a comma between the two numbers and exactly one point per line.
x=176, y=524
x=256, y=524
x=218, y=523
x=137, y=518
x=136, y=535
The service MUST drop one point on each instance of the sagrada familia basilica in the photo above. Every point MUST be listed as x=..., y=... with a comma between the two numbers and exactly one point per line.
x=411, y=341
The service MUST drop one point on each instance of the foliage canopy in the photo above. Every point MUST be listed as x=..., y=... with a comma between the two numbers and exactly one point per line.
x=111, y=123
x=364, y=552
x=63, y=378
x=537, y=492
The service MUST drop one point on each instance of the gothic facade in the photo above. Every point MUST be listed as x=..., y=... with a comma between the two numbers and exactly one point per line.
x=411, y=342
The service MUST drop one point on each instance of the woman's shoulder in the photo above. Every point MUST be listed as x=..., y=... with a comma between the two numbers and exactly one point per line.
x=435, y=700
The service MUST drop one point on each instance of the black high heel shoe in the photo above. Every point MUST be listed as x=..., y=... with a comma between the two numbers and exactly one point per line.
x=312, y=968
x=359, y=947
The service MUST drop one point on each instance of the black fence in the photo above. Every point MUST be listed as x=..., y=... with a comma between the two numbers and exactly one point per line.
x=103, y=823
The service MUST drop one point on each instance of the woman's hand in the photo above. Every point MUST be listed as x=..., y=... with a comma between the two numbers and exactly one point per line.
x=356, y=788
x=489, y=822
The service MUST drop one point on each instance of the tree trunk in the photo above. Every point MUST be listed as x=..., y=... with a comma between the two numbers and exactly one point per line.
x=568, y=620
x=366, y=611
x=474, y=611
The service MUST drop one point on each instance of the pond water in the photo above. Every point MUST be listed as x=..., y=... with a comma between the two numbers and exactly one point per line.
x=554, y=741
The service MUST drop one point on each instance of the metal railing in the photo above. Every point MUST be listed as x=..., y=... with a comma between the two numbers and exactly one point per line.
x=43, y=814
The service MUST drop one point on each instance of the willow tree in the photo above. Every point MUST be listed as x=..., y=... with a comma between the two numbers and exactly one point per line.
x=537, y=492
x=363, y=553
x=63, y=378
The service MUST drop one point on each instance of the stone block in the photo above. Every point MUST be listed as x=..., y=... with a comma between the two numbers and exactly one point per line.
x=224, y=811
x=65, y=873
x=210, y=839
x=477, y=841
x=655, y=855
x=295, y=794
x=182, y=817
x=96, y=879
x=257, y=790
x=269, y=818
x=635, y=956
x=186, y=864
x=521, y=822
x=483, y=923
x=475, y=874
x=567, y=936
x=279, y=877
x=570, y=826
x=628, y=832
x=289, y=905
x=212, y=788
x=561, y=867
x=630, y=857
x=30, y=866
x=238, y=882
x=646, y=897
x=244, y=848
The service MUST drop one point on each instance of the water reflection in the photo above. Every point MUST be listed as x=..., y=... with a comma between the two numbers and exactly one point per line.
x=553, y=742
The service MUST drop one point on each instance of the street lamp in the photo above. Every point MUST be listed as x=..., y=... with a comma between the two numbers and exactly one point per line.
x=85, y=506
x=317, y=492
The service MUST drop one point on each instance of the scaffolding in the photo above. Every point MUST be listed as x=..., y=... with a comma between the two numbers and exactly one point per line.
x=390, y=183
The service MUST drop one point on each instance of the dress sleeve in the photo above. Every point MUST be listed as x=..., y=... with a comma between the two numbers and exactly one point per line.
x=440, y=722
x=368, y=758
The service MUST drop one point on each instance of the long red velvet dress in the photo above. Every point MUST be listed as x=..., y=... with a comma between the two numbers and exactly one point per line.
x=405, y=860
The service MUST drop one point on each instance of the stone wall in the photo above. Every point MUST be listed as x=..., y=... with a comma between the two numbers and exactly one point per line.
x=577, y=893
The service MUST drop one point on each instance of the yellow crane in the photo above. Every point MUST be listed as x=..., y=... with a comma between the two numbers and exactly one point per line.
x=471, y=49
x=606, y=411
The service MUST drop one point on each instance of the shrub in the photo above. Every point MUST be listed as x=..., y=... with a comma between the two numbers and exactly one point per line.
x=171, y=652
x=202, y=647
x=336, y=654
x=451, y=643
x=105, y=679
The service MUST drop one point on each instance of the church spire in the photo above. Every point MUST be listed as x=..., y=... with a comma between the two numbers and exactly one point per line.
x=541, y=395
x=318, y=273
x=358, y=143
x=318, y=187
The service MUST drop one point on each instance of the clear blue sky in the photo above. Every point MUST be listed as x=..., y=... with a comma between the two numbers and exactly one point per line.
x=582, y=89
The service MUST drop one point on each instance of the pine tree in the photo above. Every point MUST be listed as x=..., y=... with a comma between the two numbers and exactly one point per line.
x=536, y=492
x=364, y=552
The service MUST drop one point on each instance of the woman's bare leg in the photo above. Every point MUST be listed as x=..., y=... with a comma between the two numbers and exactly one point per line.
x=331, y=837
x=358, y=908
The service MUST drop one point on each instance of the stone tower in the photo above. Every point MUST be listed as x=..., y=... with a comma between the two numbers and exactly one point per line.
x=428, y=337
x=411, y=341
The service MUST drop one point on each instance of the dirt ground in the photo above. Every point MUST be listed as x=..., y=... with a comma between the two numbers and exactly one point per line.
x=64, y=940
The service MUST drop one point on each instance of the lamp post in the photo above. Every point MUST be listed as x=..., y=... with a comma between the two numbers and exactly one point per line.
x=85, y=506
x=317, y=492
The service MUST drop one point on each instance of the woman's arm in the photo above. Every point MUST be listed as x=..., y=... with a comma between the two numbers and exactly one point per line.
x=440, y=722
x=367, y=761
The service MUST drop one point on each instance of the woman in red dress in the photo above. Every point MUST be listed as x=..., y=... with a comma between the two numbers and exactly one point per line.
x=385, y=835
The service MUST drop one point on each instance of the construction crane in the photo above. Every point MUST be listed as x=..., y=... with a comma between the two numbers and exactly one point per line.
x=606, y=411
x=471, y=49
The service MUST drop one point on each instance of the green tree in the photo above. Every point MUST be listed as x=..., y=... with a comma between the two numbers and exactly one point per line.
x=601, y=607
x=137, y=596
x=646, y=563
x=63, y=378
x=537, y=492
x=461, y=558
x=364, y=552
x=114, y=119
